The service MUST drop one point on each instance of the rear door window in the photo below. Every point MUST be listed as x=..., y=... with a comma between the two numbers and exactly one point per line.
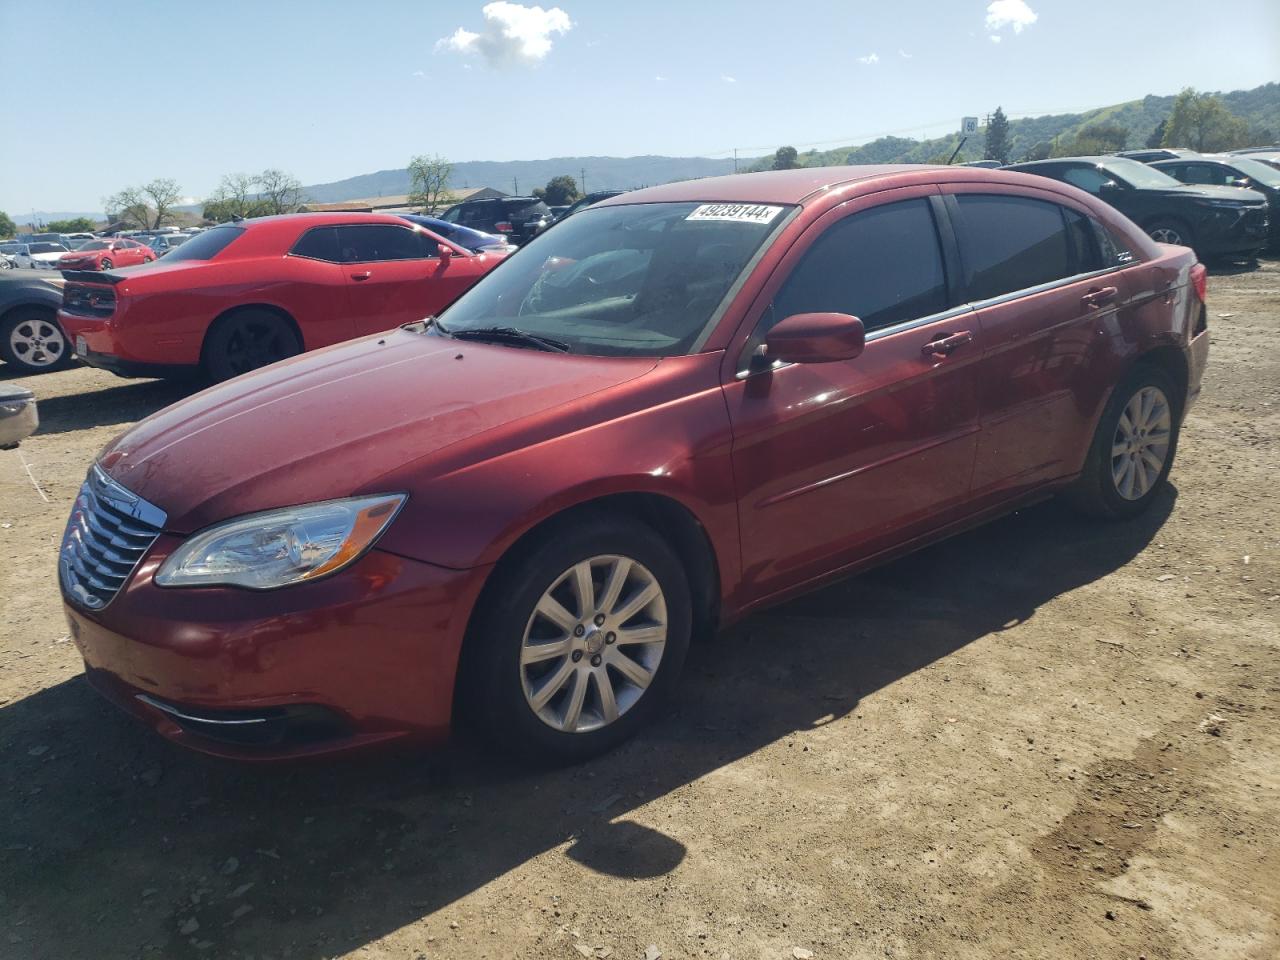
x=320, y=243
x=1011, y=243
x=368, y=243
x=882, y=265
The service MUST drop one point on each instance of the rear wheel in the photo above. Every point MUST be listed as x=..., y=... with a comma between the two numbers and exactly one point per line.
x=577, y=643
x=33, y=342
x=1133, y=448
x=106, y=264
x=245, y=341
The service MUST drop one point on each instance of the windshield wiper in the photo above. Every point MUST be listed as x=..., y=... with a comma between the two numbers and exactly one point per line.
x=507, y=335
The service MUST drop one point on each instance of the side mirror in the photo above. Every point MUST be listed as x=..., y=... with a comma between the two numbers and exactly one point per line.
x=18, y=417
x=815, y=338
x=445, y=251
x=1239, y=182
x=1108, y=186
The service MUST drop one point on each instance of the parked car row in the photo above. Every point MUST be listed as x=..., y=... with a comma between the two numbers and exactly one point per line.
x=667, y=411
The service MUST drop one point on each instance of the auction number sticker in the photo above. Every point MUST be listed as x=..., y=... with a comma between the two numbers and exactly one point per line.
x=735, y=212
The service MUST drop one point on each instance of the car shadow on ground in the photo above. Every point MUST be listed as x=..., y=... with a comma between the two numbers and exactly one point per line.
x=120, y=843
x=123, y=405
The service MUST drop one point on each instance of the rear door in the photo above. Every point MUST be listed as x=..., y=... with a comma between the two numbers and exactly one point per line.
x=395, y=275
x=1033, y=270
x=838, y=461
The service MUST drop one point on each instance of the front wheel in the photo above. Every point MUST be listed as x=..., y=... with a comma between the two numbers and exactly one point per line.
x=577, y=644
x=1133, y=448
x=106, y=264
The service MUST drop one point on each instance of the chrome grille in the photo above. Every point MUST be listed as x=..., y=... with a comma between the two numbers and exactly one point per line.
x=107, y=534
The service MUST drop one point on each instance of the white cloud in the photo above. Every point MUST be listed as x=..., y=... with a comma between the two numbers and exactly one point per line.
x=660, y=78
x=995, y=38
x=512, y=34
x=728, y=79
x=870, y=58
x=903, y=54
x=419, y=73
x=1010, y=13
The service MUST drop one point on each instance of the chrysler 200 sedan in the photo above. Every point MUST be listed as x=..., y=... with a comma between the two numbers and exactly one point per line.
x=677, y=406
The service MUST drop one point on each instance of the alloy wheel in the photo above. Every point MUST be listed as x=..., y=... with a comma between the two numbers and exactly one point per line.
x=37, y=343
x=255, y=343
x=593, y=643
x=1140, y=446
x=1167, y=235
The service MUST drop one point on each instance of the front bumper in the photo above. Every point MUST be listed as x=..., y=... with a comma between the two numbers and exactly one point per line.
x=364, y=657
x=1234, y=230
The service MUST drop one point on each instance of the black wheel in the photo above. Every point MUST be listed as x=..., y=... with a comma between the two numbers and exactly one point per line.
x=106, y=264
x=245, y=341
x=578, y=640
x=1133, y=448
x=1169, y=230
x=147, y=259
x=32, y=341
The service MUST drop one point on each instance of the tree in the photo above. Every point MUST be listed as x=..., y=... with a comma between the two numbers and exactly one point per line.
x=1108, y=137
x=428, y=181
x=279, y=192
x=1202, y=122
x=7, y=227
x=76, y=225
x=785, y=158
x=1040, y=151
x=561, y=190
x=1157, y=135
x=130, y=206
x=236, y=196
x=997, y=139
x=162, y=193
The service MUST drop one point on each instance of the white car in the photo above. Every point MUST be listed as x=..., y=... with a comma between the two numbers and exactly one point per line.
x=42, y=256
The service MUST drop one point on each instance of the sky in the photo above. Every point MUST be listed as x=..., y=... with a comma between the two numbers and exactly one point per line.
x=106, y=95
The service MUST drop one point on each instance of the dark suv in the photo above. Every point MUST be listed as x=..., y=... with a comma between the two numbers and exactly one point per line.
x=1231, y=171
x=1214, y=221
x=518, y=218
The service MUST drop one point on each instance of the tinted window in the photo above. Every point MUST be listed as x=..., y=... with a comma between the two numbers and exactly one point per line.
x=48, y=248
x=205, y=246
x=882, y=265
x=451, y=215
x=371, y=242
x=1088, y=179
x=320, y=243
x=1083, y=236
x=1011, y=243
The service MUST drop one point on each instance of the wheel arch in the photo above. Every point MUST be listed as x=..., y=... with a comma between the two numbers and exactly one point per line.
x=1172, y=361
x=239, y=308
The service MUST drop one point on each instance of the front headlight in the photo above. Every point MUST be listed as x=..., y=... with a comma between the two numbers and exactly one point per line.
x=277, y=548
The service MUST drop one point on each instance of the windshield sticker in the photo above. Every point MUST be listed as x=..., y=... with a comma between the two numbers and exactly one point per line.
x=735, y=212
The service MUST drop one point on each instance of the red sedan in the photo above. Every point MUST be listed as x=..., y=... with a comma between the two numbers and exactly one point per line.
x=674, y=408
x=106, y=255
x=246, y=294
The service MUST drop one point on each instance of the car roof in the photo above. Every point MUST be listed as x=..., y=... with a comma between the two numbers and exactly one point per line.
x=808, y=183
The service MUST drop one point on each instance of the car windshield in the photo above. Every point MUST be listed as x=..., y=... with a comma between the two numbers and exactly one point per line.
x=94, y=245
x=205, y=246
x=48, y=248
x=633, y=280
x=1264, y=174
x=1139, y=174
x=12, y=247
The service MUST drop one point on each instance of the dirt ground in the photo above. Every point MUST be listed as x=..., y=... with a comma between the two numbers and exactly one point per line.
x=1045, y=738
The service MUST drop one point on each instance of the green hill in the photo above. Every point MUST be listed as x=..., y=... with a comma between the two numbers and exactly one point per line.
x=1259, y=106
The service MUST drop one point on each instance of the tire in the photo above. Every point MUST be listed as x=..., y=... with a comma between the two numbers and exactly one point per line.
x=246, y=340
x=1170, y=230
x=32, y=341
x=500, y=691
x=106, y=264
x=1107, y=487
x=148, y=259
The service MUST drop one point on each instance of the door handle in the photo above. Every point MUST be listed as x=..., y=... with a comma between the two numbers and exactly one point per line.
x=1097, y=296
x=362, y=276
x=947, y=344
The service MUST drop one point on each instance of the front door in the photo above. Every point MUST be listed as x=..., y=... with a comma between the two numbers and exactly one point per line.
x=836, y=462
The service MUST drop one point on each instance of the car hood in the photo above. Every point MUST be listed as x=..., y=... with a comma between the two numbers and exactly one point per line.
x=46, y=257
x=83, y=255
x=326, y=424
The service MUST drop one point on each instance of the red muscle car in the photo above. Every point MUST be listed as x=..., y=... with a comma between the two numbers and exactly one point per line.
x=242, y=295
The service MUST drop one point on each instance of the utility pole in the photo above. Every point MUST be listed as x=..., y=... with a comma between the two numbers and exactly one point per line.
x=515, y=186
x=583, y=181
x=735, y=159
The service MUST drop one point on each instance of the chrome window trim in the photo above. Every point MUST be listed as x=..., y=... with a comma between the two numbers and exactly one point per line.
x=1043, y=287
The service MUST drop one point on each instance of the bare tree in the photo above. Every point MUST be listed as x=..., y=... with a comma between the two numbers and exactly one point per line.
x=162, y=193
x=429, y=181
x=279, y=192
x=129, y=205
x=235, y=197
